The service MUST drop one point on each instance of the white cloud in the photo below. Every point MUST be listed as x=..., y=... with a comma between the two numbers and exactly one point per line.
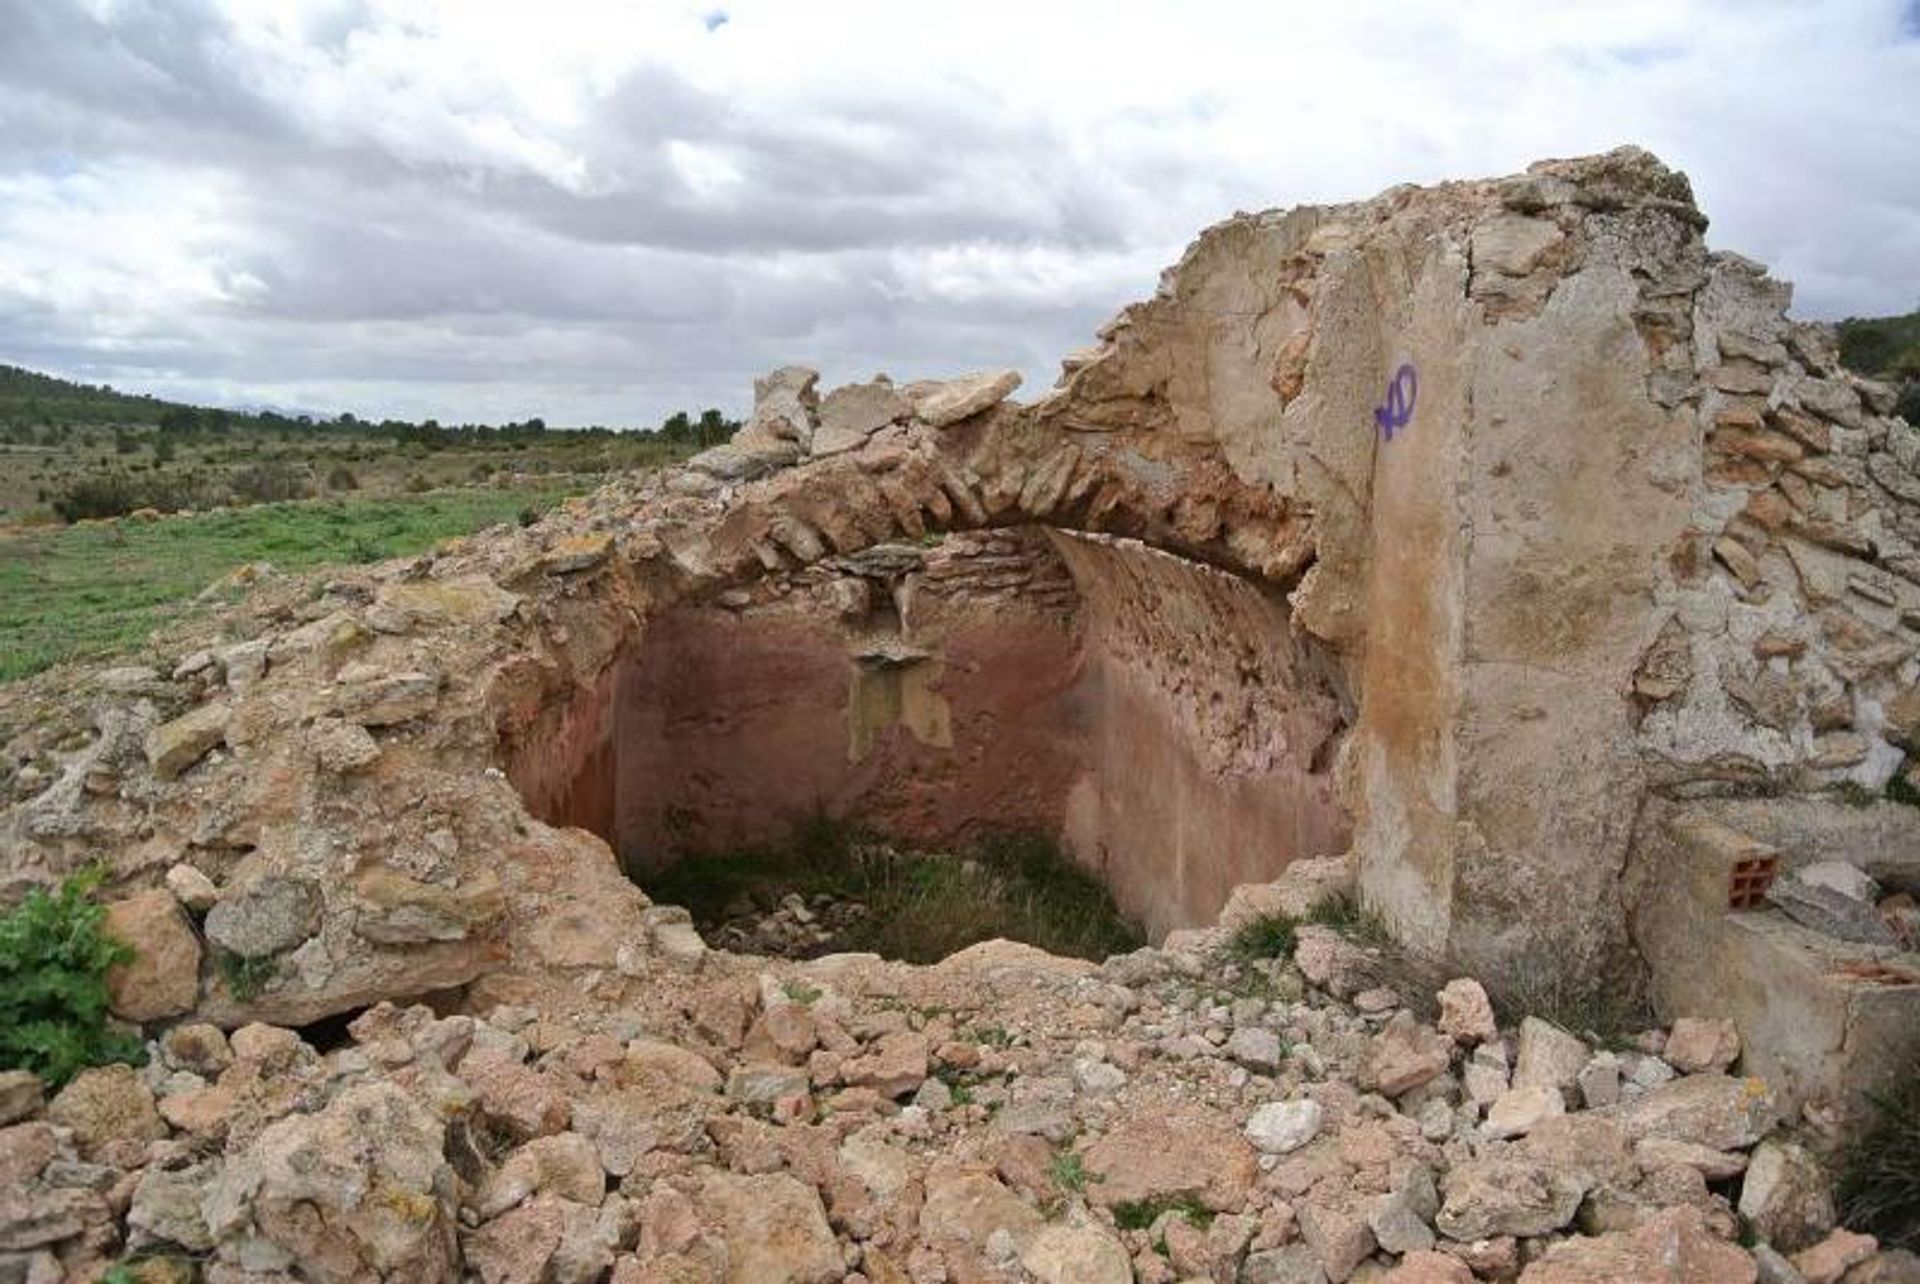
x=600, y=210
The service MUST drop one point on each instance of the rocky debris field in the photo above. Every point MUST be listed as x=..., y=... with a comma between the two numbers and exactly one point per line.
x=1173, y=1115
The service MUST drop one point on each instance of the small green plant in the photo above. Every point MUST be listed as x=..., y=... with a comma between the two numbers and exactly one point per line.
x=992, y=1036
x=1855, y=794
x=1901, y=790
x=245, y=977
x=54, y=959
x=1271, y=936
x=1141, y=1214
x=1879, y=1187
x=800, y=992
x=1346, y=914
x=1069, y=1171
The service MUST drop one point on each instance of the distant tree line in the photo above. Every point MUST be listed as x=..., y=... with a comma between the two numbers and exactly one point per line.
x=31, y=400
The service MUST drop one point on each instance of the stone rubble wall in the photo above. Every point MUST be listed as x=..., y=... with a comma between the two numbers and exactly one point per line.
x=1635, y=535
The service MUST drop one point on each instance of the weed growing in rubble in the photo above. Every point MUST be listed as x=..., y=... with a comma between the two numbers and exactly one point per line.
x=245, y=977
x=1348, y=915
x=54, y=959
x=1141, y=1214
x=1879, y=1187
x=1271, y=936
x=1069, y=1171
x=916, y=906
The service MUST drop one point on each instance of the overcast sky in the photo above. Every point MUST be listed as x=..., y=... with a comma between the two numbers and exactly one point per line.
x=600, y=211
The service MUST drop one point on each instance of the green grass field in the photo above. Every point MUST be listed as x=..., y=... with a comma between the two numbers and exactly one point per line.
x=93, y=590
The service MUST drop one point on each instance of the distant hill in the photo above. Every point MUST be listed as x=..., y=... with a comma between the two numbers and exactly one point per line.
x=71, y=450
x=31, y=399
x=1886, y=348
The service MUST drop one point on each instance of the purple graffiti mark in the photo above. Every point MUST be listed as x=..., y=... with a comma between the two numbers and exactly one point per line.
x=1397, y=413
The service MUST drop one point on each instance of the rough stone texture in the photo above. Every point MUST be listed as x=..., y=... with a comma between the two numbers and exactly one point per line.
x=1172, y=1157
x=1548, y=1056
x=952, y=400
x=106, y=1105
x=356, y=1192
x=177, y=745
x=1672, y=1247
x=1280, y=1127
x=1465, y=1011
x=163, y=977
x=1641, y=557
x=1076, y=1255
x=1695, y=1045
x=266, y=917
x=775, y=1231
x=1786, y=1196
x=21, y=1094
x=1711, y=1110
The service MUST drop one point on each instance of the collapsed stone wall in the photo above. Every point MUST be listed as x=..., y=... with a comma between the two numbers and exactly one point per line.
x=1547, y=504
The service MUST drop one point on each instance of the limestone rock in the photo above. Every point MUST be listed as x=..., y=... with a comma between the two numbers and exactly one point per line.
x=1519, y=1110
x=784, y=402
x=1338, y=1233
x=267, y=916
x=1280, y=1127
x=1840, y=876
x=1293, y=1264
x=970, y=1208
x=1711, y=1110
x=1548, y=1056
x=342, y=747
x=1830, y=1260
x=392, y=909
x=775, y=1229
x=1466, y=1014
x=1302, y=885
x=1696, y=1045
x=1064, y=1254
x=1168, y=1157
x=166, y=1208
x=172, y=747
x=357, y=1192
x=1407, y=1054
x=1505, y=1195
x=1429, y=1268
x=952, y=400
x=163, y=977
x=369, y=698
x=1787, y=1196
x=191, y=888
x=21, y=1095
x=1673, y=1246
x=851, y=414
x=104, y=1105
x=893, y=1067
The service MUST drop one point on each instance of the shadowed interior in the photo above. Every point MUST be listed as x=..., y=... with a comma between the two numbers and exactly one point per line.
x=1158, y=717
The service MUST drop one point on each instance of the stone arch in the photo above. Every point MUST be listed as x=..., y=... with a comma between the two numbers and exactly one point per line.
x=1164, y=613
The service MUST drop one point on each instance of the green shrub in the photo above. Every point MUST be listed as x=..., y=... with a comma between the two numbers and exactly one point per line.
x=1879, y=1186
x=53, y=984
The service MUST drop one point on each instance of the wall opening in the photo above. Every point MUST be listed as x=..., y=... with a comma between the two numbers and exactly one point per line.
x=1156, y=719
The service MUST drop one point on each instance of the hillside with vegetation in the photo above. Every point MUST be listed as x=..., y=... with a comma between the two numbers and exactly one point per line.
x=1886, y=348
x=89, y=569
x=70, y=451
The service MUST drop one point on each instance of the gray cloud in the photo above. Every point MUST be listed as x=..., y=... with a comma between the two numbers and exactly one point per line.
x=604, y=215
